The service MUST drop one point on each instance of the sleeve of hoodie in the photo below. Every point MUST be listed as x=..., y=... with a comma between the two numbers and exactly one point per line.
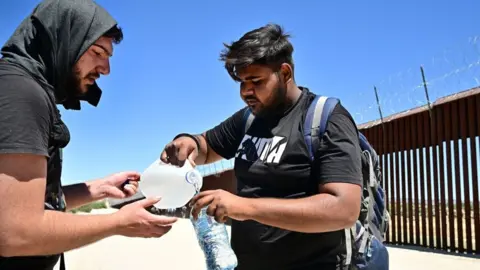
x=24, y=117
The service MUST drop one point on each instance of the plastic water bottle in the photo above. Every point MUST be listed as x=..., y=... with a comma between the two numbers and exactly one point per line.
x=175, y=185
x=211, y=235
x=182, y=212
x=214, y=242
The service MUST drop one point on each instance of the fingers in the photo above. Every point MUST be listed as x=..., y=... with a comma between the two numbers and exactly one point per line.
x=200, y=195
x=147, y=202
x=200, y=203
x=123, y=179
x=157, y=232
x=178, y=151
x=182, y=155
x=135, y=221
x=162, y=220
x=153, y=231
x=155, y=219
x=133, y=183
x=192, y=157
x=116, y=193
x=161, y=231
x=211, y=209
x=169, y=154
x=220, y=215
x=216, y=211
x=130, y=189
x=173, y=152
x=164, y=155
x=132, y=175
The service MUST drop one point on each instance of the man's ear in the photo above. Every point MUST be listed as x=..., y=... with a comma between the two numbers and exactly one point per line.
x=287, y=73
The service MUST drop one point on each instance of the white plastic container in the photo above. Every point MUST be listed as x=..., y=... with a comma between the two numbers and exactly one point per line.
x=175, y=185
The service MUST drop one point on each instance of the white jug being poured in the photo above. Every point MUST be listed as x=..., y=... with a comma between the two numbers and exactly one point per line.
x=175, y=185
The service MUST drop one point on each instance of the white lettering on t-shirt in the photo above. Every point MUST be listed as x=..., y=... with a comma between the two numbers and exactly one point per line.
x=267, y=150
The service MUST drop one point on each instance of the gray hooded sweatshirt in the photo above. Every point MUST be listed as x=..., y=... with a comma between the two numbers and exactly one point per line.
x=37, y=60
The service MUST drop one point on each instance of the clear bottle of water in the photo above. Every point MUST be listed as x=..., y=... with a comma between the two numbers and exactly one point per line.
x=177, y=186
x=214, y=242
x=211, y=235
x=181, y=212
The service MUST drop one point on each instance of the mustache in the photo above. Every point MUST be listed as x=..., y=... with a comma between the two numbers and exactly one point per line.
x=93, y=75
x=250, y=98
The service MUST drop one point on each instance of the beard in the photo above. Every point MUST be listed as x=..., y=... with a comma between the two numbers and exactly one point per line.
x=277, y=104
x=74, y=83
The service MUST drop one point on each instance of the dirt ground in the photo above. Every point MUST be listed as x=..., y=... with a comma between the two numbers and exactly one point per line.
x=179, y=250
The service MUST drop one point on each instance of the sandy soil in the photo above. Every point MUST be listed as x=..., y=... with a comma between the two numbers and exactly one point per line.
x=179, y=250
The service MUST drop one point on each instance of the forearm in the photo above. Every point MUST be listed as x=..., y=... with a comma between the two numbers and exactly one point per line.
x=79, y=194
x=315, y=214
x=206, y=154
x=57, y=232
x=203, y=150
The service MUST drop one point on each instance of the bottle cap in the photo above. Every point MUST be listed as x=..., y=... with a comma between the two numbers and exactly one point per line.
x=194, y=178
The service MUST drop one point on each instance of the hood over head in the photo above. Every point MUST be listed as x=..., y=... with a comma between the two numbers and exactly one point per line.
x=52, y=39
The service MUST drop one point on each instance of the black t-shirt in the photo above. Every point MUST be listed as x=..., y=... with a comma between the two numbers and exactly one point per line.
x=272, y=160
x=30, y=123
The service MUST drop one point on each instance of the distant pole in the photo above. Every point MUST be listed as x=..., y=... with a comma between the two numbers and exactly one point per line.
x=378, y=103
x=426, y=91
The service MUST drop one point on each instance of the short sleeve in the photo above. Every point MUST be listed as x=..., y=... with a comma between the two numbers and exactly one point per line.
x=24, y=116
x=226, y=136
x=339, y=155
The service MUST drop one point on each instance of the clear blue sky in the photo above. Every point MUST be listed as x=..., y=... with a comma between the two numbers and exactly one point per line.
x=166, y=77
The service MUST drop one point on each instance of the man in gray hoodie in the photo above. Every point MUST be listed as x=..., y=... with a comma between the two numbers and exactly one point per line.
x=54, y=57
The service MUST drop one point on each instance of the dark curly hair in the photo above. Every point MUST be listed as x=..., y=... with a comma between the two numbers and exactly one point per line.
x=116, y=33
x=267, y=45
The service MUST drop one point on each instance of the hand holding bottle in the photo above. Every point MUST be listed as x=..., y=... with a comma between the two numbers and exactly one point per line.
x=133, y=220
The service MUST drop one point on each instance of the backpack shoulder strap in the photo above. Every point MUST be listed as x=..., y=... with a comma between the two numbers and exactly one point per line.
x=316, y=120
x=248, y=118
x=314, y=127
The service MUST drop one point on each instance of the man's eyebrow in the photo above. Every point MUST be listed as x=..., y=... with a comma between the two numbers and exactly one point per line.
x=105, y=49
x=249, y=78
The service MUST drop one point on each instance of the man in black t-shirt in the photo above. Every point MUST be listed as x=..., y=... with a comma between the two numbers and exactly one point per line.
x=288, y=212
x=54, y=57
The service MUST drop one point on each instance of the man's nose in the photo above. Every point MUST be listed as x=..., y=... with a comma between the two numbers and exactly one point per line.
x=104, y=68
x=247, y=90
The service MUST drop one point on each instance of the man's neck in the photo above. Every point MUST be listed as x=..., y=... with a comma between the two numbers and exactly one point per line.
x=291, y=97
x=293, y=94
